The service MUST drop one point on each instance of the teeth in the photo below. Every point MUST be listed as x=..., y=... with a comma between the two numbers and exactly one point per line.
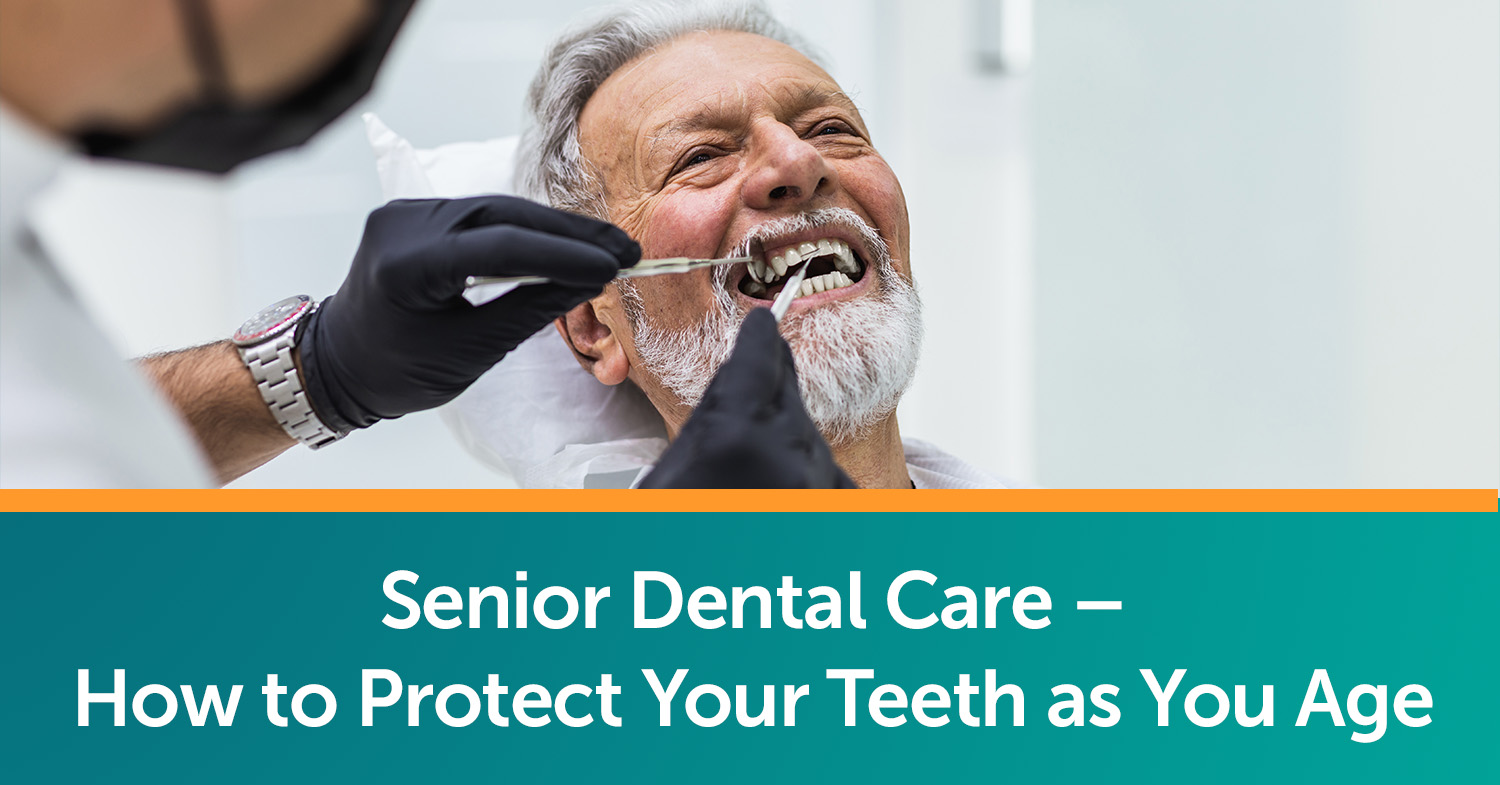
x=764, y=272
x=844, y=259
x=825, y=283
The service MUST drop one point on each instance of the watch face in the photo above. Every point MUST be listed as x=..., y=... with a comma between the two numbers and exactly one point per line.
x=272, y=320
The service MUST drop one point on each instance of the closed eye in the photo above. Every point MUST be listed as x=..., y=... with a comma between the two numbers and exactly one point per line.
x=696, y=157
x=834, y=128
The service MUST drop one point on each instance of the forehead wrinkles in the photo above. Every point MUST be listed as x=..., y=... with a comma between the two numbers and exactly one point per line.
x=722, y=110
x=613, y=124
x=771, y=91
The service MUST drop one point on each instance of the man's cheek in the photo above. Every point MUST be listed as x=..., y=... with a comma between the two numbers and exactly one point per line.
x=687, y=227
x=676, y=302
x=880, y=192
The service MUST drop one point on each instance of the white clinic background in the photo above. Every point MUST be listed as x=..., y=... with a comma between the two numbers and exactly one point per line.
x=1247, y=243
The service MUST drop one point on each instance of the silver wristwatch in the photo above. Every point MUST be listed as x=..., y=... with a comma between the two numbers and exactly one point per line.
x=265, y=342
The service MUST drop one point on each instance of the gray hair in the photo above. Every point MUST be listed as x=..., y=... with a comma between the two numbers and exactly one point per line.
x=549, y=164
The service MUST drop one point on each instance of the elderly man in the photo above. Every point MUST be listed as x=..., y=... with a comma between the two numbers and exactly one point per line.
x=703, y=131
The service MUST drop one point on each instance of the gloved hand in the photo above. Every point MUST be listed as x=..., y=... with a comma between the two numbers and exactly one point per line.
x=398, y=337
x=750, y=430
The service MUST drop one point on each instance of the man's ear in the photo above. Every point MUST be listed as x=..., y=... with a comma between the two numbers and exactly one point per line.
x=594, y=344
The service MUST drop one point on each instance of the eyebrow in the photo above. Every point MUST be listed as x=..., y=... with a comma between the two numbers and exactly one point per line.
x=803, y=99
x=707, y=121
x=810, y=96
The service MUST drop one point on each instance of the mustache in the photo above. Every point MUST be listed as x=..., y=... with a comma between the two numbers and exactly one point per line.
x=754, y=241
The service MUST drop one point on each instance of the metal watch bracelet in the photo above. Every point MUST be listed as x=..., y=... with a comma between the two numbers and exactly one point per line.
x=275, y=374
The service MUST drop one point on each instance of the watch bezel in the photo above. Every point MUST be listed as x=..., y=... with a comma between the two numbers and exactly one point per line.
x=305, y=305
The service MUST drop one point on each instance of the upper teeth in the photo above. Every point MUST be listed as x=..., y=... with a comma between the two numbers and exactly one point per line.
x=770, y=270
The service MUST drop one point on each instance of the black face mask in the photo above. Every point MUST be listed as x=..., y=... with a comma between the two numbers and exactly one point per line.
x=213, y=135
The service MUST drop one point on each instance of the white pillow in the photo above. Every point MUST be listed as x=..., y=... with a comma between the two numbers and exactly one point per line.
x=452, y=170
x=537, y=416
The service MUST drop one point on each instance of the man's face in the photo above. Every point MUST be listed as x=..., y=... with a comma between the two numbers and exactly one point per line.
x=721, y=137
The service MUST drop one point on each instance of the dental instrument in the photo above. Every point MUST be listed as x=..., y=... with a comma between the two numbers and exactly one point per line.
x=645, y=267
x=789, y=292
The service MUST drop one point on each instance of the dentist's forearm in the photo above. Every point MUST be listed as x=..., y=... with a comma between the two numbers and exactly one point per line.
x=215, y=395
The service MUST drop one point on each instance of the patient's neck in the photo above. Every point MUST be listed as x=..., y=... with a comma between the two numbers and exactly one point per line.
x=876, y=459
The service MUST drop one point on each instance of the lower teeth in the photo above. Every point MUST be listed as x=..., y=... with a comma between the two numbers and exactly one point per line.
x=822, y=283
x=825, y=283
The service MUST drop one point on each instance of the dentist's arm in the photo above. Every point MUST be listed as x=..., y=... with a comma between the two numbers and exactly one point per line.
x=398, y=337
x=215, y=395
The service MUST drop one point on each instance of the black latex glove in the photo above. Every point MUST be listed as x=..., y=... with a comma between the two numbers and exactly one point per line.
x=398, y=337
x=751, y=430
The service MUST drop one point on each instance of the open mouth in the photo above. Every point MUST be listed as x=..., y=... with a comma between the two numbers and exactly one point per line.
x=831, y=264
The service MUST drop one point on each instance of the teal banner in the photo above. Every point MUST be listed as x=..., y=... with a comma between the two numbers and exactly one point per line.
x=752, y=648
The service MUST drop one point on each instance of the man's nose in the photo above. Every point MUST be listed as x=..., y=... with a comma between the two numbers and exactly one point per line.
x=786, y=171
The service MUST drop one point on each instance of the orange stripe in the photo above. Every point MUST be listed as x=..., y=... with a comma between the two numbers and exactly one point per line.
x=239, y=500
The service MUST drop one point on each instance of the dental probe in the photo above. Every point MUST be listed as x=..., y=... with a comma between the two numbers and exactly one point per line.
x=676, y=264
x=788, y=293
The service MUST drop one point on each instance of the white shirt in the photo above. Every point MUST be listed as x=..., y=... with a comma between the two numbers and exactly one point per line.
x=928, y=466
x=543, y=421
x=931, y=467
x=73, y=413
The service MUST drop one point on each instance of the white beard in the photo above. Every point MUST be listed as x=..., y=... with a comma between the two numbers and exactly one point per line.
x=855, y=358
